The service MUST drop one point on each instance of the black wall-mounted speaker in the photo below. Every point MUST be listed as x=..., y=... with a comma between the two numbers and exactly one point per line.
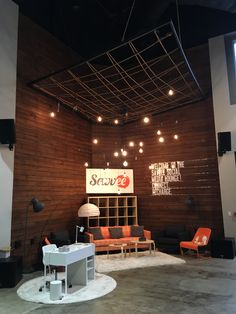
x=7, y=131
x=224, y=142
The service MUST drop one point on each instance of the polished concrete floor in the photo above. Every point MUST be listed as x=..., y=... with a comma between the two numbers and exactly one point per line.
x=197, y=287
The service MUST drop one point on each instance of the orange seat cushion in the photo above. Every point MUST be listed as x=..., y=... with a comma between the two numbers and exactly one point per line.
x=189, y=245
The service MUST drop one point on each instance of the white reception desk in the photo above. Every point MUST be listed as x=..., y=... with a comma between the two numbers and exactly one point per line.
x=79, y=263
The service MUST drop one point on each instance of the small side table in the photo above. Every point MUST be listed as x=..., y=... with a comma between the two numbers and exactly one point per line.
x=151, y=244
x=120, y=246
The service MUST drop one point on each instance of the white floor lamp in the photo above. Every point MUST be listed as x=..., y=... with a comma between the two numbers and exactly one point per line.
x=86, y=210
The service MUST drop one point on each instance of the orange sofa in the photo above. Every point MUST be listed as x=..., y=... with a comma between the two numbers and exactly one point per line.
x=105, y=237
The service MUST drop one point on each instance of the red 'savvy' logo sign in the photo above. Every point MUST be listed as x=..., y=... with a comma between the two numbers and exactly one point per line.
x=123, y=181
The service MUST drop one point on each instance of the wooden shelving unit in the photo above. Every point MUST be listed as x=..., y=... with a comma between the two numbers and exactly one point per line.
x=114, y=211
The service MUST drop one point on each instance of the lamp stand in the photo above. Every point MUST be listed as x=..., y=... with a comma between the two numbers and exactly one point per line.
x=26, y=269
x=37, y=207
x=77, y=230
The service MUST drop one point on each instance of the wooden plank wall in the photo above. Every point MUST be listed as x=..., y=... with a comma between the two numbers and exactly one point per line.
x=109, y=141
x=50, y=153
x=196, y=146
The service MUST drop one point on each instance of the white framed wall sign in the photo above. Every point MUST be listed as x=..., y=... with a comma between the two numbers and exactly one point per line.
x=109, y=181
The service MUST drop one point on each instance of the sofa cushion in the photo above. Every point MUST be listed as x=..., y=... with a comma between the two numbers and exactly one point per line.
x=97, y=234
x=137, y=231
x=126, y=231
x=116, y=233
x=105, y=232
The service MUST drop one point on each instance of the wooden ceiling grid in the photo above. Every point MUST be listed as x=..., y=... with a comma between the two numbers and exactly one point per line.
x=129, y=81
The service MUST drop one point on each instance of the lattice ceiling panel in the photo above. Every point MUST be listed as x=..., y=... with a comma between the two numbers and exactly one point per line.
x=129, y=81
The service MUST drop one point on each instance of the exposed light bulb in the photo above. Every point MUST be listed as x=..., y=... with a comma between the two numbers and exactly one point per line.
x=95, y=141
x=140, y=150
x=52, y=114
x=124, y=153
x=146, y=119
x=158, y=132
x=125, y=163
x=176, y=136
x=86, y=164
x=170, y=92
x=131, y=144
x=161, y=139
x=116, y=121
x=141, y=144
x=99, y=119
x=116, y=154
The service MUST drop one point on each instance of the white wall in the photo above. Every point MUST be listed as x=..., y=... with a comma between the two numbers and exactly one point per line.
x=225, y=120
x=8, y=56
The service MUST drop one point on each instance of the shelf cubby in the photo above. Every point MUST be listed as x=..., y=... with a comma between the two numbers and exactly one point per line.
x=114, y=210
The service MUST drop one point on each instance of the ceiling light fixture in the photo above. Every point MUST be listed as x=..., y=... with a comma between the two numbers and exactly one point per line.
x=116, y=154
x=176, y=136
x=141, y=144
x=99, y=119
x=158, y=132
x=170, y=92
x=95, y=141
x=140, y=150
x=131, y=144
x=125, y=163
x=161, y=139
x=86, y=164
x=146, y=119
x=124, y=153
x=52, y=114
x=116, y=121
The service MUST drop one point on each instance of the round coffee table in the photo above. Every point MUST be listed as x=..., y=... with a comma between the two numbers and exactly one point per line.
x=120, y=246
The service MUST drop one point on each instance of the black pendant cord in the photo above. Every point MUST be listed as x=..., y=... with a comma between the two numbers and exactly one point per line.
x=178, y=21
x=127, y=23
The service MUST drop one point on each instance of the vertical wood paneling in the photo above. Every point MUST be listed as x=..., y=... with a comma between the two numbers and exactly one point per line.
x=196, y=146
x=49, y=153
x=109, y=141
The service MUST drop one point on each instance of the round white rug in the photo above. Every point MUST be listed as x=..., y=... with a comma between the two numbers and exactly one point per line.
x=97, y=288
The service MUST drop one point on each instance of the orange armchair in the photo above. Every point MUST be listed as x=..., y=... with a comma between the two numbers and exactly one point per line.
x=200, y=239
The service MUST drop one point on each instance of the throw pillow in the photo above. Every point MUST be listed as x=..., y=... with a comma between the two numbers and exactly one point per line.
x=116, y=233
x=137, y=231
x=97, y=234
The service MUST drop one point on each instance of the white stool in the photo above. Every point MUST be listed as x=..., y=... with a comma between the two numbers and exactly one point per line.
x=55, y=290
